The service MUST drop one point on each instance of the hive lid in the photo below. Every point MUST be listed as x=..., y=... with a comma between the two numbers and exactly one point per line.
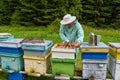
x=86, y=45
x=12, y=41
x=116, y=45
x=5, y=34
x=33, y=40
x=36, y=42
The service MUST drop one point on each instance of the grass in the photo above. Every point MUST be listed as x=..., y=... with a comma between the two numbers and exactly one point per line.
x=52, y=33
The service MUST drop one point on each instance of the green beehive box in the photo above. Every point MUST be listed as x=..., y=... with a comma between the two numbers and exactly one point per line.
x=63, y=66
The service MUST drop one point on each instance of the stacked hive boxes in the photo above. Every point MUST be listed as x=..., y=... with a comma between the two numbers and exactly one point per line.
x=94, y=61
x=11, y=55
x=36, y=56
x=114, y=60
x=63, y=60
x=4, y=37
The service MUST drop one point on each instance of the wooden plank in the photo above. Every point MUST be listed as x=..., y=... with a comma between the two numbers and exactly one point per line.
x=34, y=74
x=62, y=77
x=48, y=75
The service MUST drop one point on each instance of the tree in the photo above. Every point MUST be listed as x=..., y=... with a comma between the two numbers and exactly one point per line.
x=7, y=8
x=115, y=23
x=95, y=12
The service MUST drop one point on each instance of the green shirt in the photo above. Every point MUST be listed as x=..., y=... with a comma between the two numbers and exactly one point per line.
x=73, y=34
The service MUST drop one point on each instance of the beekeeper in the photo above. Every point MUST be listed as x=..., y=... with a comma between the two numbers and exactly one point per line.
x=71, y=31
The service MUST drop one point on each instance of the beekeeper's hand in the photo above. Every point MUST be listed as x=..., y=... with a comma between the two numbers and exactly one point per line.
x=69, y=44
x=77, y=45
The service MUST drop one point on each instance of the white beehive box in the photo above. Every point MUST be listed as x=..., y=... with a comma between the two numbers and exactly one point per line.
x=97, y=68
x=114, y=67
x=99, y=74
x=94, y=64
x=37, y=65
x=14, y=43
x=61, y=52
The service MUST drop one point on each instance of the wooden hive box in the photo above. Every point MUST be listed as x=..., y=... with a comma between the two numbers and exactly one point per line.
x=37, y=65
x=36, y=48
x=14, y=43
x=63, y=66
x=11, y=46
x=114, y=50
x=59, y=51
x=98, y=68
x=98, y=52
x=114, y=67
x=12, y=62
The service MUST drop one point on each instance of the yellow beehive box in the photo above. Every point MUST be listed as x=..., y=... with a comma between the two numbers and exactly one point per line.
x=37, y=65
x=115, y=50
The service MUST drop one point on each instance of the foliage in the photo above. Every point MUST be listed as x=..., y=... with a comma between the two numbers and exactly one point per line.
x=7, y=8
x=98, y=13
x=115, y=14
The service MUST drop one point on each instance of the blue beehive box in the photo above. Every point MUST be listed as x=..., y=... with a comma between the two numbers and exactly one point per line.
x=94, y=55
x=12, y=62
x=11, y=50
x=11, y=46
x=37, y=52
x=0, y=60
x=16, y=76
x=37, y=48
x=98, y=52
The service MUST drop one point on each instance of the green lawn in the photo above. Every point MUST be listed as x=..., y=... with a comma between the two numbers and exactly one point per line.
x=52, y=33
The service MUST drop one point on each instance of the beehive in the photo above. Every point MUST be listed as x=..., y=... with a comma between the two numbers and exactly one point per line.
x=36, y=48
x=97, y=68
x=98, y=52
x=12, y=62
x=36, y=52
x=37, y=65
x=114, y=67
x=63, y=66
x=60, y=51
x=115, y=50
